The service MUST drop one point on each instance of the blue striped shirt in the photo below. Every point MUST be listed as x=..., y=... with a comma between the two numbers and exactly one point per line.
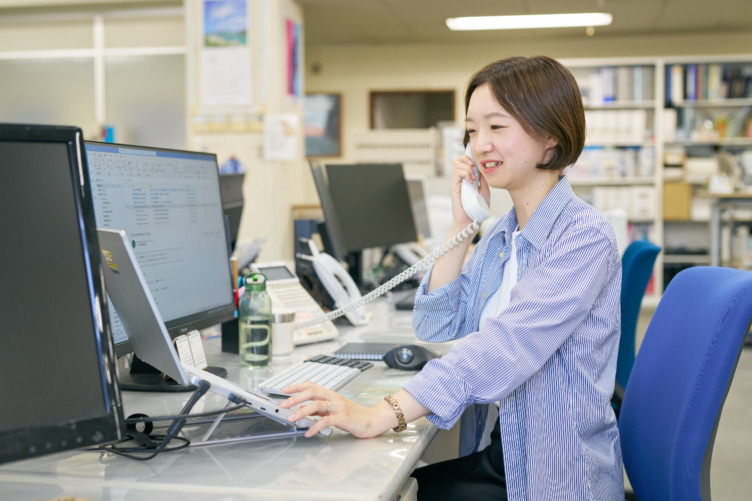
x=548, y=359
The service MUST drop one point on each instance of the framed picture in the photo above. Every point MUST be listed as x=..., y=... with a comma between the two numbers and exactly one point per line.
x=322, y=117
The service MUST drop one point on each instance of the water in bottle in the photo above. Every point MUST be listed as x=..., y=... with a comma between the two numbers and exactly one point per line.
x=255, y=322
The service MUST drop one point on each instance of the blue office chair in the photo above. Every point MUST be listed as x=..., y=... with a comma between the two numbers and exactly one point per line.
x=679, y=381
x=637, y=266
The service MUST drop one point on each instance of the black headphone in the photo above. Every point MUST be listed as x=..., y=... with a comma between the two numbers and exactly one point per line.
x=140, y=430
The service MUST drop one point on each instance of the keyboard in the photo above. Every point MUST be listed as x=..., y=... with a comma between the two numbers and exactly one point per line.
x=329, y=372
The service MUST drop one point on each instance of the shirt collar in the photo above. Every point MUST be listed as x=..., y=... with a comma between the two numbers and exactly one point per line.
x=539, y=227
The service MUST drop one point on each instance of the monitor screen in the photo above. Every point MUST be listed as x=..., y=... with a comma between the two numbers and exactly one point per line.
x=169, y=204
x=368, y=206
x=231, y=188
x=57, y=362
x=418, y=204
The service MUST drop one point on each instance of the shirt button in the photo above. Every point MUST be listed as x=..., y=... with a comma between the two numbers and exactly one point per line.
x=501, y=256
x=484, y=295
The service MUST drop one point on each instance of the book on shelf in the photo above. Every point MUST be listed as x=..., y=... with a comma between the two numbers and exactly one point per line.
x=624, y=84
x=608, y=84
x=620, y=84
x=715, y=81
x=675, y=84
x=707, y=82
x=690, y=82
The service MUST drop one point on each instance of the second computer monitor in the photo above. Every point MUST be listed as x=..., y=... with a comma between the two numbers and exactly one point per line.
x=365, y=206
x=371, y=206
x=419, y=206
x=231, y=188
x=169, y=204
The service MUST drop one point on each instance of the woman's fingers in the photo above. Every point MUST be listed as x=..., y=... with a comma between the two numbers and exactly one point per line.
x=463, y=168
x=305, y=391
x=318, y=426
x=314, y=400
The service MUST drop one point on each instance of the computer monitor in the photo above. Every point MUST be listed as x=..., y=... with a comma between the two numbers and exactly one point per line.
x=57, y=362
x=169, y=204
x=419, y=207
x=364, y=206
x=231, y=189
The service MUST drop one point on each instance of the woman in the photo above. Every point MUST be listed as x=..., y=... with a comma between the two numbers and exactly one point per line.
x=535, y=309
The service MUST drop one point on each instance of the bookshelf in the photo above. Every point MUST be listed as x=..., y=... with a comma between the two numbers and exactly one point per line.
x=620, y=167
x=708, y=142
x=662, y=133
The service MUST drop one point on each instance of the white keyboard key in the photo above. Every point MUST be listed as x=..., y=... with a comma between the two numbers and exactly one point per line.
x=330, y=375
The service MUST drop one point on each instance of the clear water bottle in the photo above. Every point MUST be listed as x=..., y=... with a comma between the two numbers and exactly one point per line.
x=255, y=322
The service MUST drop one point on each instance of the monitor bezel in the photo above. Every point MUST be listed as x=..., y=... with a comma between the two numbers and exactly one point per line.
x=231, y=193
x=109, y=427
x=201, y=320
x=335, y=228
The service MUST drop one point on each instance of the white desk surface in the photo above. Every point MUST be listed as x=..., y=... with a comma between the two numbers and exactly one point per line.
x=335, y=467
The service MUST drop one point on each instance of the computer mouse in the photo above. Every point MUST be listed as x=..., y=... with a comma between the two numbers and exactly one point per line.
x=408, y=357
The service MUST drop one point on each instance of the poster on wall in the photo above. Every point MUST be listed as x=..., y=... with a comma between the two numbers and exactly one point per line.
x=322, y=116
x=225, y=54
x=281, y=132
x=293, y=58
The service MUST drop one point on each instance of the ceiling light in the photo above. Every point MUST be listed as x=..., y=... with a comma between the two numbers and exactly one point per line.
x=527, y=22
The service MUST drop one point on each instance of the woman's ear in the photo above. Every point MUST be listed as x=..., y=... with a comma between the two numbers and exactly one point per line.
x=551, y=144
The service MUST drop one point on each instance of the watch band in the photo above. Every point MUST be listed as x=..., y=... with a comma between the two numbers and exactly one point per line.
x=401, y=424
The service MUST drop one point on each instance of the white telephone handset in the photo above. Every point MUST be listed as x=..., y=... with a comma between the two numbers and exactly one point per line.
x=472, y=201
x=340, y=286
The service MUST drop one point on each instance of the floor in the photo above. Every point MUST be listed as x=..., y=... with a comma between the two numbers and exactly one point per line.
x=731, y=466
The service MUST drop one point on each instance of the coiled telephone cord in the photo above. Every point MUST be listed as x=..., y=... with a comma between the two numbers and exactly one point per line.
x=396, y=280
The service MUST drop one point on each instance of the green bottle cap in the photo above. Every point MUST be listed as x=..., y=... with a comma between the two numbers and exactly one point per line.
x=255, y=282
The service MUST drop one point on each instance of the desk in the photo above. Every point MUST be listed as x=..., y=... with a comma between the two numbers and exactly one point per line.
x=335, y=467
x=720, y=203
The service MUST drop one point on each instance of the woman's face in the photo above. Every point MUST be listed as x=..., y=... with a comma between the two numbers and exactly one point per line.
x=506, y=155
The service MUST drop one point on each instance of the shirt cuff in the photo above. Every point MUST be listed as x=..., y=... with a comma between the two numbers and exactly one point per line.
x=439, y=300
x=441, y=391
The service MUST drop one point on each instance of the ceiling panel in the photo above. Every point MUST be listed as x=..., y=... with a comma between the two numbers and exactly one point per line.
x=422, y=21
x=705, y=16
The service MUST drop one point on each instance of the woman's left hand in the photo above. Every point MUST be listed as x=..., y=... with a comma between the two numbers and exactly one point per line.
x=336, y=410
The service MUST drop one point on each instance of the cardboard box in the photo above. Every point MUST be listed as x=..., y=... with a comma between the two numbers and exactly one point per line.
x=677, y=201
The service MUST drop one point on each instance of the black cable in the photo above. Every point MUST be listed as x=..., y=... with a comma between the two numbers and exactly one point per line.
x=203, y=387
x=172, y=431
x=148, y=419
x=128, y=452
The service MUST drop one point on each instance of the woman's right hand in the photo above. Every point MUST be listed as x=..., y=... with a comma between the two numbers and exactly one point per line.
x=336, y=410
x=463, y=169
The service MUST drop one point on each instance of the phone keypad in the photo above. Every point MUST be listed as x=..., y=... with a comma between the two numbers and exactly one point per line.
x=294, y=296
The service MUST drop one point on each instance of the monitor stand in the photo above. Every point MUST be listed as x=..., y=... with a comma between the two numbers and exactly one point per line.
x=354, y=260
x=145, y=377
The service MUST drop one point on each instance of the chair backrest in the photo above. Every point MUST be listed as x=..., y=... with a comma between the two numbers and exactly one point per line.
x=637, y=266
x=679, y=382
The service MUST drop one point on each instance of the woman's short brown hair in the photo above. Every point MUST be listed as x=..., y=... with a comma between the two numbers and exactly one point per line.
x=543, y=96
